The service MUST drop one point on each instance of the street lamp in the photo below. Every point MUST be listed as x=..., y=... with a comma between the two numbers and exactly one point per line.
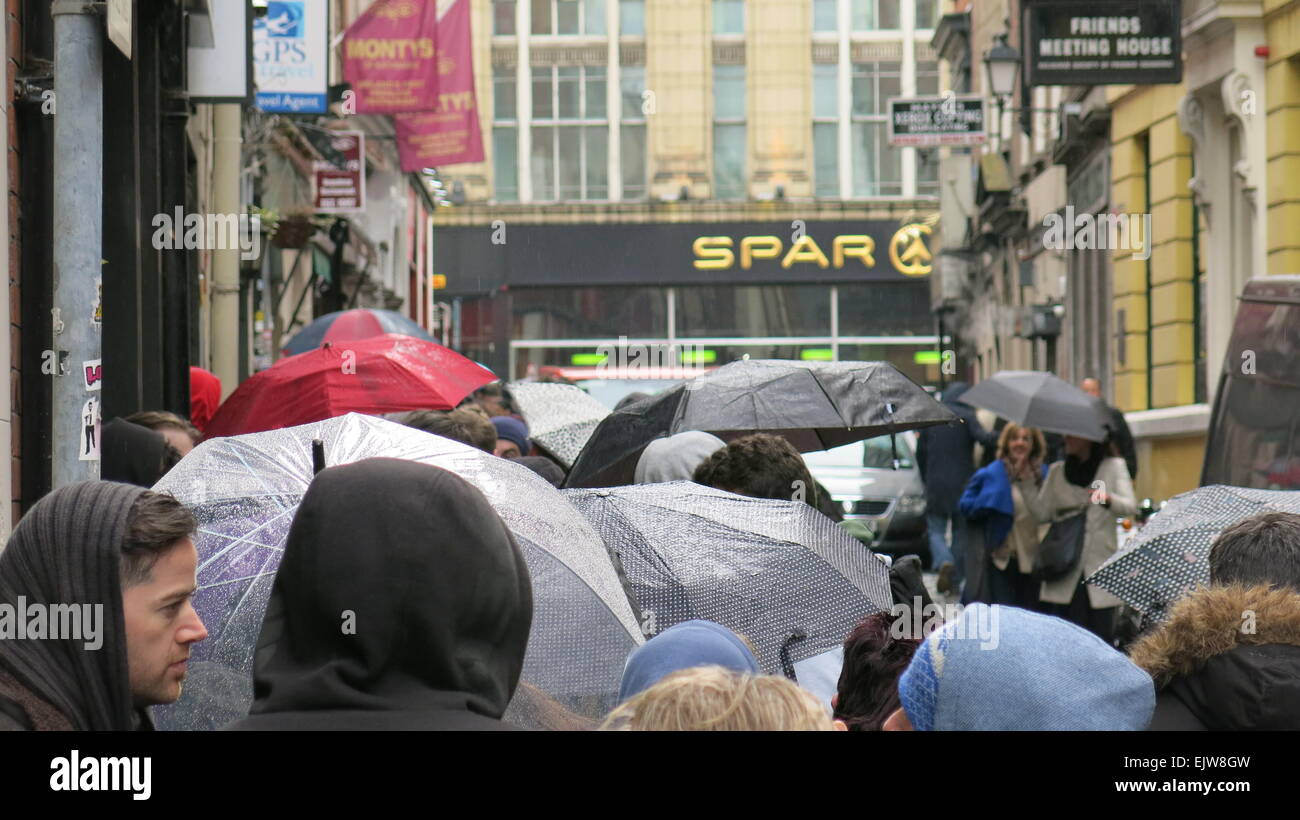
x=1002, y=63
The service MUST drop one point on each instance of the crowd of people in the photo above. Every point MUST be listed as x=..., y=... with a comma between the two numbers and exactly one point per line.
x=403, y=601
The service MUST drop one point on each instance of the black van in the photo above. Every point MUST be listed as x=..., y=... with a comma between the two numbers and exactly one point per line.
x=1254, y=435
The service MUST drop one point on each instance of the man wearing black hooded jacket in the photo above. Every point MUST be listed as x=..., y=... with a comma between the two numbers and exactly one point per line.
x=402, y=602
x=1228, y=656
x=945, y=457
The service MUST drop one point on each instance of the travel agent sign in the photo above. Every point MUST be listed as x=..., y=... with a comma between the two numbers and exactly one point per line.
x=929, y=121
x=1103, y=42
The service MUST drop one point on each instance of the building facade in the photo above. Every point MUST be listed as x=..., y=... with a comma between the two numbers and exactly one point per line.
x=712, y=173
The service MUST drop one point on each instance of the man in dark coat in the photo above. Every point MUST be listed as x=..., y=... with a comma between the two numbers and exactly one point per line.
x=1119, y=431
x=1228, y=656
x=110, y=568
x=945, y=457
x=402, y=602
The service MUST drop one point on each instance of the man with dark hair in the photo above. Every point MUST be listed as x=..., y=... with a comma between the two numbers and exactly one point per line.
x=118, y=564
x=761, y=466
x=1264, y=549
x=458, y=425
x=1227, y=657
x=1120, y=434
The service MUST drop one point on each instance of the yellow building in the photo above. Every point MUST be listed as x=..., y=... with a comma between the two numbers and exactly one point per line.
x=622, y=133
x=1216, y=162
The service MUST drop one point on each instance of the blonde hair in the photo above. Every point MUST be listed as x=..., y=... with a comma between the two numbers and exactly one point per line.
x=714, y=699
x=1037, y=444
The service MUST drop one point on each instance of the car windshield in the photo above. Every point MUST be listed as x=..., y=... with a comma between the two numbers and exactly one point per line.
x=610, y=391
x=874, y=452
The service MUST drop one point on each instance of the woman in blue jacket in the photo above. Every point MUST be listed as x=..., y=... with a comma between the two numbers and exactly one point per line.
x=1004, y=523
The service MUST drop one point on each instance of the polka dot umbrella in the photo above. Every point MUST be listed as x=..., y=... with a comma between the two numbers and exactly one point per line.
x=1169, y=557
x=778, y=572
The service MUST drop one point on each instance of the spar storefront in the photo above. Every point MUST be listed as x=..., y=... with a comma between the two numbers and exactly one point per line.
x=526, y=296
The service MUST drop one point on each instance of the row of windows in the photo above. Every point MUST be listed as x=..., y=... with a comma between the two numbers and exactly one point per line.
x=554, y=17
x=569, y=151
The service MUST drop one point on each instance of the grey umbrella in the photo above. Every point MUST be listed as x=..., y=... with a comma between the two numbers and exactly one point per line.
x=244, y=491
x=1041, y=400
x=814, y=405
x=778, y=572
x=1169, y=557
x=560, y=417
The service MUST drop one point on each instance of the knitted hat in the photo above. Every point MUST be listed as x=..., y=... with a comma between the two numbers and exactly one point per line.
x=1001, y=668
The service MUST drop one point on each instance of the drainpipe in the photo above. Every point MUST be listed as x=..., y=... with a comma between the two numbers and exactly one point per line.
x=78, y=227
x=227, y=122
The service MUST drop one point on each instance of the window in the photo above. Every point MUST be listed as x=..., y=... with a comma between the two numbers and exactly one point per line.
x=631, y=17
x=729, y=138
x=568, y=17
x=503, y=17
x=875, y=15
x=505, y=135
x=825, y=15
x=503, y=93
x=826, y=161
x=877, y=166
x=632, y=135
x=505, y=163
x=728, y=16
x=570, y=133
x=925, y=13
x=753, y=310
x=927, y=79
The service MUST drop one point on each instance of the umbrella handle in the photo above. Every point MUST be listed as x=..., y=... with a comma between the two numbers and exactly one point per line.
x=787, y=666
x=317, y=456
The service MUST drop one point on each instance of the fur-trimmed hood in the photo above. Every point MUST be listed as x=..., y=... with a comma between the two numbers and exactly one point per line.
x=1230, y=656
x=1213, y=620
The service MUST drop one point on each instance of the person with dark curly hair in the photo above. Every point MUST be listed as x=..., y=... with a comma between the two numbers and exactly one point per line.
x=874, y=659
x=760, y=466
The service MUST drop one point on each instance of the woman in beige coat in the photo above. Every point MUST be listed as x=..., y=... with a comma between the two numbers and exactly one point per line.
x=1093, y=477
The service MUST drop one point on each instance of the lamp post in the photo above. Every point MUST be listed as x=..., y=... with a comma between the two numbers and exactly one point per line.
x=1002, y=66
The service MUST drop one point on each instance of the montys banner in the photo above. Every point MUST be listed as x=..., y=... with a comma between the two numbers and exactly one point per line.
x=390, y=57
x=450, y=132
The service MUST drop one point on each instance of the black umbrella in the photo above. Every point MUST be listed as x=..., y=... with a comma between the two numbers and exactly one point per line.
x=778, y=572
x=1170, y=556
x=1038, y=399
x=815, y=405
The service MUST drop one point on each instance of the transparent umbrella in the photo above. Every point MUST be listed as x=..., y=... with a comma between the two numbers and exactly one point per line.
x=244, y=491
x=778, y=572
x=561, y=417
x=1170, y=556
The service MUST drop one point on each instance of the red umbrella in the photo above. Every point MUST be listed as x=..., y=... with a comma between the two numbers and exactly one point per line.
x=382, y=374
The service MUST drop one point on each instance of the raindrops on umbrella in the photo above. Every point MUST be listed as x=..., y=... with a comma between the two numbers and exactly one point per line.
x=560, y=417
x=1169, y=557
x=245, y=490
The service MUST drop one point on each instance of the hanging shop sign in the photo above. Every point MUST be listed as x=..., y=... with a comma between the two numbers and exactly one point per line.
x=931, y=121
x=291, y=57
x=1103, y=42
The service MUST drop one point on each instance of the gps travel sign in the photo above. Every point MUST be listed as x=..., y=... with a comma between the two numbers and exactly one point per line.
x=930, y=121
x=1103, y=42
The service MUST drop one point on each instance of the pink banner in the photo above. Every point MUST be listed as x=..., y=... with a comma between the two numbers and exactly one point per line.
x=390, y=57
x=449, y=133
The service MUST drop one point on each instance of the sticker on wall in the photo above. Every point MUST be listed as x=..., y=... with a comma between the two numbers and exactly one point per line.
x=97, y=318
x=90, y=430
x=92, y=373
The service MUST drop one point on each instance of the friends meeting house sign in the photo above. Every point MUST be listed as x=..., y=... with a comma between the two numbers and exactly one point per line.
x=481, y=258
x=1103, y=42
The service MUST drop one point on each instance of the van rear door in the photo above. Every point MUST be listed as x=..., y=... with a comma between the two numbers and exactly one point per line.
x=1254, y=435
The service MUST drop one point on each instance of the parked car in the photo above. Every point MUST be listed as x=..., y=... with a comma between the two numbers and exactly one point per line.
x=865, y=481
x=1254, y=435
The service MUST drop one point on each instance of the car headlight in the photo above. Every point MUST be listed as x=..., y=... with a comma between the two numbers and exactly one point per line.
x=911, y=504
